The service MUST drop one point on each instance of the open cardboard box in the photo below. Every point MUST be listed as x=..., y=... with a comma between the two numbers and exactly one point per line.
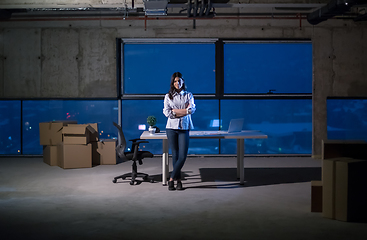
x=79, y=133
x=50, y=131
x=54, y=134
x=68, y=132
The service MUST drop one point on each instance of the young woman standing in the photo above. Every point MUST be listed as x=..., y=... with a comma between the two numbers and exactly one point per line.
x=178, y=107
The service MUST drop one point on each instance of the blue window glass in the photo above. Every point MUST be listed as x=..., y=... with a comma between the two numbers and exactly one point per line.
x=134, y=122
x=10, y=137
x=347, y=119
x=148, y=67
x=103, y=112
x=260, y=67
x=205, y=119
x=288, y=124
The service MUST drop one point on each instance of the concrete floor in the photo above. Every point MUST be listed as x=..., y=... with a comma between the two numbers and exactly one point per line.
x=38, y=201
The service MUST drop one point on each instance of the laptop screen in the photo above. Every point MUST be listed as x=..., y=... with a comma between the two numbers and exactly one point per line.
x=236, y=125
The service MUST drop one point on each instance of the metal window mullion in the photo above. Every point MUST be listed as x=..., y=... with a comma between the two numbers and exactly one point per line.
x=21, y=127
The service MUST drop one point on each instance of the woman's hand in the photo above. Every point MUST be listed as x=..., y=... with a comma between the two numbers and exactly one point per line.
x=180, y=112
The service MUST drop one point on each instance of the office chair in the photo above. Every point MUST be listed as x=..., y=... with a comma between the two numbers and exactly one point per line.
x=133, y=155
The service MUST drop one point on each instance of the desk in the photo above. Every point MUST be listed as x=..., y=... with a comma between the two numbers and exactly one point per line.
x=240, y=136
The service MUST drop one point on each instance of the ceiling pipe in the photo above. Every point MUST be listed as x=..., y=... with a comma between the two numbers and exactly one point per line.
x=332, y=9
x=189, y=8
x=199, y=8
x=145, y=18
x=196, y=6
x=203, y=8
x=210, y=5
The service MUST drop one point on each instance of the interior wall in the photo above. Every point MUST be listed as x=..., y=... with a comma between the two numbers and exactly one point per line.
x=77, y=59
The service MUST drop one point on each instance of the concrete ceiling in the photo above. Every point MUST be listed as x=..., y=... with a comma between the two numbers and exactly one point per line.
x=12, y=9
x=110, y=4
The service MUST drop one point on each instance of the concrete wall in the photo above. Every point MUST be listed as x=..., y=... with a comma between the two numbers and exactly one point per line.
x=44, y=59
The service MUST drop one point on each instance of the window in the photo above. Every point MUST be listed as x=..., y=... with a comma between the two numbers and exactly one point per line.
x=103, y=112
x=134, y=121
x=346, y=118
x=260, y=67
x=149, y=66
x=288, y=124
x=10, y=122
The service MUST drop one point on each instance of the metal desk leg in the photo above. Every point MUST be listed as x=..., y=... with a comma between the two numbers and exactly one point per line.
x=240, y=160
x=165, y=161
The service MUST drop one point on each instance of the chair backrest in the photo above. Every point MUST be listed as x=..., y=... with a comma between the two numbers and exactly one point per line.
x=120, y=148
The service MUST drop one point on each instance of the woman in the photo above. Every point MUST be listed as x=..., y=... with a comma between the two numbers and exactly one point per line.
x=178, y=107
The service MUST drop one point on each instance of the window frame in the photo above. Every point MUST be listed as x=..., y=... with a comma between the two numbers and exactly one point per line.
x=219, y=73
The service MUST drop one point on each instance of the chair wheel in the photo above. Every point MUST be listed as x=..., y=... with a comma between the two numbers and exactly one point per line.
x=114, y=180
x=152, y=180
x=131, y=182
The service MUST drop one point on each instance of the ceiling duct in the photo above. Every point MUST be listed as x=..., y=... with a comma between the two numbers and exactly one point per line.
x=333, y=8
x=361, y=18
x=5, y=14
x=155, y=7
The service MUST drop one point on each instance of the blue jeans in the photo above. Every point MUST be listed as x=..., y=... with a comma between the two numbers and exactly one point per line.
x=178, y=141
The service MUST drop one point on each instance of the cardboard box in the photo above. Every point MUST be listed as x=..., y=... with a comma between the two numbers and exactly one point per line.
x=316, y=196
x=79, y=133
x=76, y=134
x=344, y=148
x=350, y=190
x=50, y=155
x=93, y=132
x=328, y=187
x=50, y=132
x=96, y=158
x=107, y=151
x=53, y=133
x=74, y=156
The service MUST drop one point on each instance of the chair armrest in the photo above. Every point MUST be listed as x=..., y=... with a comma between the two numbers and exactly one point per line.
x=135, y=139
x=137, y=144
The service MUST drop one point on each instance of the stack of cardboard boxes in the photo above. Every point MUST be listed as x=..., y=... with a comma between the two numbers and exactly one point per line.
x=344, y=180
x=70, y=145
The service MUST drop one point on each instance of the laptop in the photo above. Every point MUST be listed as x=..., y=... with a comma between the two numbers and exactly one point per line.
x=235, y=125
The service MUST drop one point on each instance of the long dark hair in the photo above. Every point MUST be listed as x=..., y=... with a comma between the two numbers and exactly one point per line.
x=172, y=89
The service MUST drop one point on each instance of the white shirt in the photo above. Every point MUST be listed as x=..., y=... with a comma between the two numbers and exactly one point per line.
x=182, y=100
